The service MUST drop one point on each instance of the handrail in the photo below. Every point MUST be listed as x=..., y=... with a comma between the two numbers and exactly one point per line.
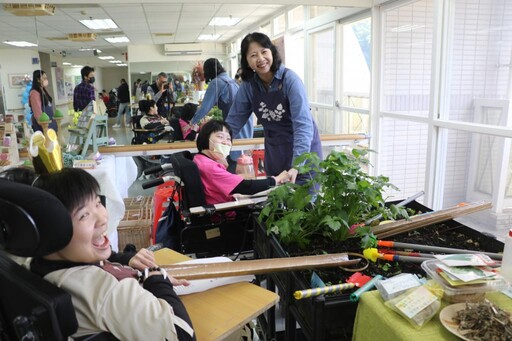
x=238, y=144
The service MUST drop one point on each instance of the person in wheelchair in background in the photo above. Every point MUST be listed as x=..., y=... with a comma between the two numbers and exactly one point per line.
x=159, y=126
x=107, y=296
x=214, y=145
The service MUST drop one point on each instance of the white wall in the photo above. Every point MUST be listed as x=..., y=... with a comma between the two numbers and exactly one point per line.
x=15, y=61
x=111, y=77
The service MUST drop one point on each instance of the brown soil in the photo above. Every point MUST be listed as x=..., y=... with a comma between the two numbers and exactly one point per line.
x=438, y=235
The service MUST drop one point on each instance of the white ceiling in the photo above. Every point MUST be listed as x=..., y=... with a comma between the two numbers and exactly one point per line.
x=140, y=22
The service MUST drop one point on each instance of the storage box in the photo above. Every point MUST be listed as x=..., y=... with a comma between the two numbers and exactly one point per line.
x=135, y=228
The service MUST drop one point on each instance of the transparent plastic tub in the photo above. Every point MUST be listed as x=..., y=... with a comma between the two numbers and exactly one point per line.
x=462, y=293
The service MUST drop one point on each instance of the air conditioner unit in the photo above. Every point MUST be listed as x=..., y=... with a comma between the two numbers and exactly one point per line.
x=82, y=36
x=26, y=10
x=182, y=50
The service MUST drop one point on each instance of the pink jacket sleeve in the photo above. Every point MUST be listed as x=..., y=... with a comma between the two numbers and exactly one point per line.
x=35, y=104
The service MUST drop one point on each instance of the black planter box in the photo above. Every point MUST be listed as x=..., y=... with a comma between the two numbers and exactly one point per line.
x=329, y=317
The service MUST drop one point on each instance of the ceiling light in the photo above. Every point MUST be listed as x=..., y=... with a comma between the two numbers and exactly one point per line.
x=224, y=21
x=30, y=10
x=122, y=64
x=67, y=64
x=99, y=24
x=77, y=65
x=115, y=40
x=209, y=37
x=19, y=43
x=142, y=73
x=115, y=61
x=99, y=51
x=106, y=57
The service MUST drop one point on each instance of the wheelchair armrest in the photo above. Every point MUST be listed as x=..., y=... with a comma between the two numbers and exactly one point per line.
x=142, y=130
x=232, y=205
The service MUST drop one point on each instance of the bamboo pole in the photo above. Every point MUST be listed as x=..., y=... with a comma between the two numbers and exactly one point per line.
x=255, y=267
x=391, y=229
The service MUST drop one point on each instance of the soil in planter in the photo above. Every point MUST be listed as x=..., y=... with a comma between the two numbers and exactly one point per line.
x=438, y=235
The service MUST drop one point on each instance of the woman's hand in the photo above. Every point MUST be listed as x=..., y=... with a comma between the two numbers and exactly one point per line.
x=282, y=178
x=143, y=259
x=293, y=174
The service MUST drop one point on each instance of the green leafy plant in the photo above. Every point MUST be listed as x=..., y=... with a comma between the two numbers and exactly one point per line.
x=216, y=114
x=334, y=204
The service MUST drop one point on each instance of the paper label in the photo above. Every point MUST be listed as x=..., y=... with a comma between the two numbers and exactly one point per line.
x=416, y=301
x=400, y=283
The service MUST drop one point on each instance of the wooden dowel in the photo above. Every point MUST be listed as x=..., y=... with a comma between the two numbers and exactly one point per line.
x=255, y=267
x=391, y=229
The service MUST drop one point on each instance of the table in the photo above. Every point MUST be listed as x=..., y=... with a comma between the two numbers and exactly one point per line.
x=238, y=144
x=375, y=321
x=115, y=175
x=218, y=312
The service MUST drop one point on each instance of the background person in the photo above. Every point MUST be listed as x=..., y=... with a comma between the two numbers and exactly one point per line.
x=83, y=93
x=214, y=144
x=152, y=120
x=278, y=98
x=162, y=93
x=123, y=94
x=40, y=100
x=221, y=92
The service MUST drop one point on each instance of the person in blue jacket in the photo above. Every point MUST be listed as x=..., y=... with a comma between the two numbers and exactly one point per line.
x=221, y=92
x=278, y=98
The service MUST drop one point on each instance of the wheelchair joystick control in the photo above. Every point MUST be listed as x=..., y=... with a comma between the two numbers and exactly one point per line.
x=245, y=167
x=24, y=328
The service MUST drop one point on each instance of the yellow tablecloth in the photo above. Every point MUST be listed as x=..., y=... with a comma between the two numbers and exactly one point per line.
x=374, y=321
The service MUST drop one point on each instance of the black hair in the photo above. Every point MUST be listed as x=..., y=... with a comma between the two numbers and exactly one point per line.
x=86, y=70
x=45, y=96
x=211, y=69
x=72, y=186
x=162, y=74
x=22, y=175
x=145, y=105
x=264, y=41
x=188, y=111
x=212, y=126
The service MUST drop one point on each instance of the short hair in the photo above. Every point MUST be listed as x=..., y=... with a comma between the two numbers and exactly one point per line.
x=145, y=105
x=86, y=70
x=264, y=41
x=188, y=111
x=162, y=74
x=212, y=126
x=72, y=186
x=212, y=68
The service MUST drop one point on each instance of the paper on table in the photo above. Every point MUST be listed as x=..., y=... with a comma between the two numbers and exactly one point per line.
x=199, y=285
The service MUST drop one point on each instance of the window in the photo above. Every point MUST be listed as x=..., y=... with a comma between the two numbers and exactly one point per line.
x=279, y=24
x=296, y=17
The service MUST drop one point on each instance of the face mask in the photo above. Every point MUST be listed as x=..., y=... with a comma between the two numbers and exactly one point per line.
x=222, y=149
x=91, y=80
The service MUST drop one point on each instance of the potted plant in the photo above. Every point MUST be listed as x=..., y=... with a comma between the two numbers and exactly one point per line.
x=328, y=214
x=333, y=205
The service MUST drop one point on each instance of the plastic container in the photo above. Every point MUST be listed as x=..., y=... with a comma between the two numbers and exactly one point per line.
x=258, y=157
x=506, y=263
x=244, y=167
x=462, y=293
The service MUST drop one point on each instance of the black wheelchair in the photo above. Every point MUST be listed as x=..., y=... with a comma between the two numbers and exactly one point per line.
x=203, y=230
x=30, y=307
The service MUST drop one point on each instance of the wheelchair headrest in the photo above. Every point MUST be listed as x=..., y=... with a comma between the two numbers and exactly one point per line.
x=32, y=222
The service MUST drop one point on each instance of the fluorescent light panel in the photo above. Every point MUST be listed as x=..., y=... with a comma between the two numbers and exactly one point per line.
x=67, y=64
x=115, y=40
x=88, y=49
x=20, y=43
x=99, y=24
x=106, y=57
x=122, y=64
x=224, y=21
x=209, y=37
x=115, y=61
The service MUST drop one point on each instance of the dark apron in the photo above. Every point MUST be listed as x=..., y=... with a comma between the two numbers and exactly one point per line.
x=273, y=112
x=48, y=109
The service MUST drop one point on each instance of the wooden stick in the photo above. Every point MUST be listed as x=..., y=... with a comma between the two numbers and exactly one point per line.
x=391, y=229
x=255, y=267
